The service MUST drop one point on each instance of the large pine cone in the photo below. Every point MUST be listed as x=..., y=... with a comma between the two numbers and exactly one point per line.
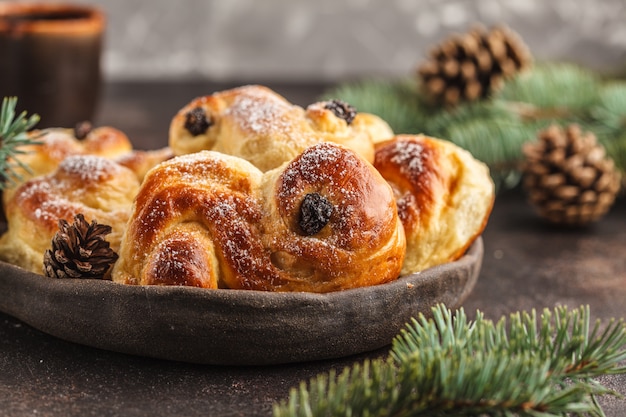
x=473, y=65
x=79, y=250
x=567, y=176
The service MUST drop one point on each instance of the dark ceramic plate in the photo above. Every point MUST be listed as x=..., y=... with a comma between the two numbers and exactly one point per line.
x=232, y=327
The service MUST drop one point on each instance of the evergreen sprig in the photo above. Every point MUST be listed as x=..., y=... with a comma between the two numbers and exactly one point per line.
x=13, y=137
x=447, y=365
x=495, y=129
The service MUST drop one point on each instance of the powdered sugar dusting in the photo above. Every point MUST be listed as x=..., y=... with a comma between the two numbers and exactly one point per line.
x=200, y=191
x=174, y=260
x=210, y=190
x=345, y=180
x=48, y=198
x=39, y=201
x=192, y=159
x=259, y=112
x=88, y=168
x=208, y=167
x=58, y=144
x=407, y=155
x=157, y=211
x=320, y=165
x=231, y=219
x=39, y=192
x=322, y=154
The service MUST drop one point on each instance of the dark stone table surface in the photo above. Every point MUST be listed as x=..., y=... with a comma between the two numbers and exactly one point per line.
x=527, y=264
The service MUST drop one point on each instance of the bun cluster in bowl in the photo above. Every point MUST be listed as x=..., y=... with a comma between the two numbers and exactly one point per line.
x=254, y=192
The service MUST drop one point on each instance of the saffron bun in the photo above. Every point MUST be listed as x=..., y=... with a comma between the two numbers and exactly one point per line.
x=257, y=124
x=324, y=221
x=444, y=197
x=97, y=187
x=56, y=144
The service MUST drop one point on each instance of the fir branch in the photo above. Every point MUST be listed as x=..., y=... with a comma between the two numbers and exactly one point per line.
x=608, y=122
x=13, y=137
x=561, y=336
x=610, y=109
x=558, y=88
x=527, y=366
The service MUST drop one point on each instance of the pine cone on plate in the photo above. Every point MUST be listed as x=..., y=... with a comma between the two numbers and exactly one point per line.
x=567, y=176
x=473, y=65
x=79, y=250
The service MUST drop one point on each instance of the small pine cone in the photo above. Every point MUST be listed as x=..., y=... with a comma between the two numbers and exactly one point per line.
x=79, y=250
x=473, y=65
x=567, y=176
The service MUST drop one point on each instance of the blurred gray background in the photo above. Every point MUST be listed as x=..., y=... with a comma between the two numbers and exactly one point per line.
x=265, y=40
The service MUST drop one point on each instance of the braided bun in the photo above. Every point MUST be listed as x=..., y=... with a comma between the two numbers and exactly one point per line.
x=58, y=143
x=260, y=126
x=97, y=187
x=215, y=221
x=444, y=197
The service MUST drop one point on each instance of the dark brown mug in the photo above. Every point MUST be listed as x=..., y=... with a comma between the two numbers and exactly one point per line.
x=50, y=60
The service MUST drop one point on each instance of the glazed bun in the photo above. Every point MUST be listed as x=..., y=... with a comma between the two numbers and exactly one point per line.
x=59, y=143
x=256, y=124
x=444, y=197
x=324, y=221
x=331, y=223
x=97, y=187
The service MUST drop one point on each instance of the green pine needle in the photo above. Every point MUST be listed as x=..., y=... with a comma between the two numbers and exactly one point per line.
x=495, y=129
x=13, y=136
x=447, y=365
x=549, y=87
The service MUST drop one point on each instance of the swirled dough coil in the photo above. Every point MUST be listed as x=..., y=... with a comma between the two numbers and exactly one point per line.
x=97, y=187
x=324, y=221
x=444, y=197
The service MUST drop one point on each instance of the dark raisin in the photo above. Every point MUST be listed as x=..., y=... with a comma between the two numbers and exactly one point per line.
x=342, y=110
x=196, y=121
x=315, y=212
x=82, y=129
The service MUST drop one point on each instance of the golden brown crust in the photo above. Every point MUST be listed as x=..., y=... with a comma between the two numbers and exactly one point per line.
x=444, y=197
x=256, y=124
x=99, y=188
x=238, y=228
x=140, y=162
x=199, y=197
x=57, y=144
x=362, y=244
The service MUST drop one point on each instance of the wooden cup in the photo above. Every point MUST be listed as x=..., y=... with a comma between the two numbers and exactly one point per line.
x=50, y=59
